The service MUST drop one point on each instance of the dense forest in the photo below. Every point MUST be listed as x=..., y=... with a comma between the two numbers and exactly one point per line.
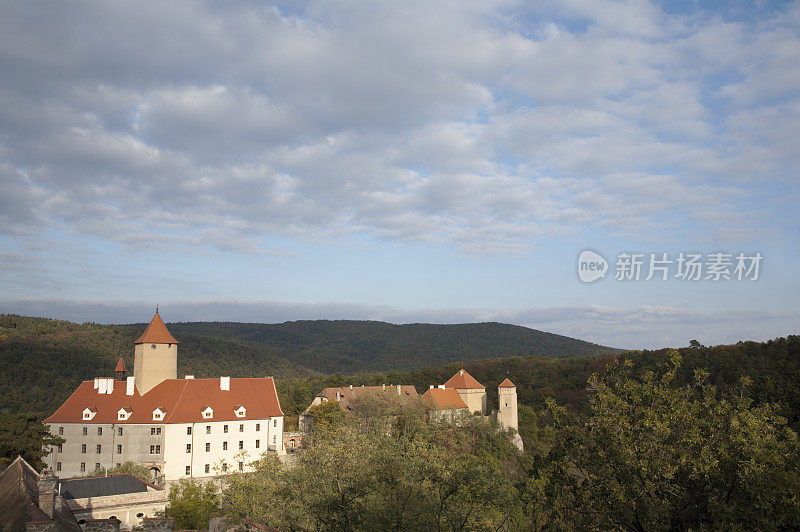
x=42, y=360
x=648, y=452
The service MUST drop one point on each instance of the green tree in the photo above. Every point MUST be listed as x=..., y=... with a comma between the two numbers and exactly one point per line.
x=653, y=455
x=126, y=468
x=192, y=503
x=23, y=435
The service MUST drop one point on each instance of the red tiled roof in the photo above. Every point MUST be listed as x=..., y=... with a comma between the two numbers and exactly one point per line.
x=183, y=400
x=120, y=366
x=156, y=333
x=462, y=380
x=443, y=399
x=507, y=384
x=347, y=394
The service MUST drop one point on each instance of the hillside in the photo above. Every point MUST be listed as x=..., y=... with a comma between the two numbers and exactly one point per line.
x=43, y=360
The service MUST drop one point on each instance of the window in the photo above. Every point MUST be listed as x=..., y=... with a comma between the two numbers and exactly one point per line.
x=188, y=431
x=60, y=448
x=241, y=466
x=99, y=447
x=83, y=466
x=224, y=446
x=85, y=431
x=274, y=438
x=225, y=429
x=208, y=468
x=119, y=449
x=241, y=445
x=155, y=431
x=119, y=431
x=58, y=466
x=208, y=429
x=275, y=423
x=224, y=468
x=155, y=449
x=188, y=470
x=188, y=447
x=60, y=431
x=208, y=447
x=99, y=431
x=83, y=448
x=258, y=427
x=241, y=427
x=258, y=444
x=96, y=466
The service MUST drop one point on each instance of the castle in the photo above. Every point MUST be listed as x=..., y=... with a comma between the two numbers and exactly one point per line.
x=179, y=428
x=461, y=395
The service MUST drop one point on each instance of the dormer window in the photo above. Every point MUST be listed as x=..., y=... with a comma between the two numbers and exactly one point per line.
x=240, y=411
x=124, y=413
x=207, y=412
x=159, y=413
x=89, y=413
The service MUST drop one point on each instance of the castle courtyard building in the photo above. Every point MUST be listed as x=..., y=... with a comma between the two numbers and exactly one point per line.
x=179, y=428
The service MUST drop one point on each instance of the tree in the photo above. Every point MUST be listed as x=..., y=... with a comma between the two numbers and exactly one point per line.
x=22, y=434
x=384, y=466
x=192, y=503
x=126, y=468
x=653, y=455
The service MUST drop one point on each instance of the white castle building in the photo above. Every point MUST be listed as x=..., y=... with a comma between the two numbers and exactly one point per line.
x=179, y=428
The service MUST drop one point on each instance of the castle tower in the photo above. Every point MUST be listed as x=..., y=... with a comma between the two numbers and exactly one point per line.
x=155, y=356
x=471, y=391
x=507, y=415
x=120, y=372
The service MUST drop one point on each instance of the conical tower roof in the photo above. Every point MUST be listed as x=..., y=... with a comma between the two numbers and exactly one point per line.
x=120, y=366
x=507, y=384
x=156, y=333
x=463, y=380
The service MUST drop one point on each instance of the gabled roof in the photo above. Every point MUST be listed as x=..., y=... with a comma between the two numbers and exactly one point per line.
x=463, y=381
x=446, y=399
x=507, y=384
x=156, y=333
x=347, y=394
x=121, y=366
x=183, y=400
x=19, y=500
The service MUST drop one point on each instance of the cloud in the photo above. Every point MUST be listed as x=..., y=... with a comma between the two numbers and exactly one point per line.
x=445, y=122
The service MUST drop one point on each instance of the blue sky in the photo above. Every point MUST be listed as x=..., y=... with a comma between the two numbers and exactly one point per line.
x=403, y=161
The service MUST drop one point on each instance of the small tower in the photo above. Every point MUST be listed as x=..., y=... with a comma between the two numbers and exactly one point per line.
x=155, y=356
x=507, y=415
x=121, y=372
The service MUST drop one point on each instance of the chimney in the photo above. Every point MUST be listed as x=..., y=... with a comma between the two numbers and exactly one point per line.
x=441, y=386
x=47, y=492
x=225, y=383
x=338, y=395
x=431, y=387
x=351, y=387
x=96, y=382
x=101, y=386
x=189, y=377
x=399, y=390
x=384, y=387
x=461, y=372
x=130, y=385
x=109, y=386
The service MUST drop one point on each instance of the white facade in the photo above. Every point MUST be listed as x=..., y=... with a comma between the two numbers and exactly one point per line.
x=205, y=449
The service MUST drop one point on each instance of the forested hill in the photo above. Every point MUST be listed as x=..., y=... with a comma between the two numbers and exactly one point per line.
x=353, y=346
x=42, y=360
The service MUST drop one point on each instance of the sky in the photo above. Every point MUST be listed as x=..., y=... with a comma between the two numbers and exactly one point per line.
x=415, y=161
